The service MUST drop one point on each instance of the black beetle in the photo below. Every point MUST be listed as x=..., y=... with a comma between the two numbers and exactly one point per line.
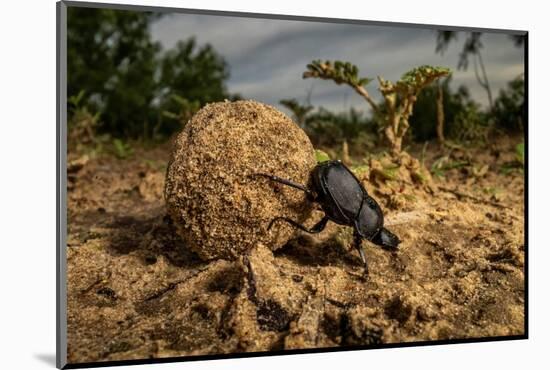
x=346, y=202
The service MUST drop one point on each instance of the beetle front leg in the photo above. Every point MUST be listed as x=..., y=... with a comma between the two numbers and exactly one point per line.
x=357, y=239
x=274, y=178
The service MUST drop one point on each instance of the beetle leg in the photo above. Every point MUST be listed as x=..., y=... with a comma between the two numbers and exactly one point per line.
x=317, y=228
x=357, y=239
x=287, y=182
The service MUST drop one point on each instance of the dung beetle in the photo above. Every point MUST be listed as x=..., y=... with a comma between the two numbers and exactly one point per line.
x=346, y=202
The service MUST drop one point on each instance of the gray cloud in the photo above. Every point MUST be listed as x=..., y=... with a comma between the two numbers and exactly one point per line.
x=267, y=57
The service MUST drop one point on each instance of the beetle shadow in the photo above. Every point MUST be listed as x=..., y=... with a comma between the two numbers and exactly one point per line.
x=309, y=251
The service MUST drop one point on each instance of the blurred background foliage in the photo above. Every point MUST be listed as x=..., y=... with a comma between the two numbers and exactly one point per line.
x=120, y=73
x=123, y=87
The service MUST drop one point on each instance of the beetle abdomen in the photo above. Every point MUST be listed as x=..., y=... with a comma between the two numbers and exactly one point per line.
x=370, y=219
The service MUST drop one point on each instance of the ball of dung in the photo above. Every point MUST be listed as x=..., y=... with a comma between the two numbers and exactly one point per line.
x=220, y=208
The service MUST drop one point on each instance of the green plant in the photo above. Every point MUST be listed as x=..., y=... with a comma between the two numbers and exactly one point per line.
x=321, y=156
x=111, y=56
x=187, y=109
x=82, y=123
x=509, y=106
x=471, y=50
x=444, y=164
x=156, y=165
x=494, y=192
x=520, y=153
x=123, y=149
x=519, y=162
x=458, y=106
x=360, y=170
x=299, y=111
x=195, y=72
x=129, y=79
x=470, y=125
x=329, y=130
x=399, y=97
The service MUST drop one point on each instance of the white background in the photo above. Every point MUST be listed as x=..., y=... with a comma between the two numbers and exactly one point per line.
x=27, y=182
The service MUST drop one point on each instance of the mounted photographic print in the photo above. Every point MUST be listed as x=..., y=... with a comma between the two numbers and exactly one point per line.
x=234, y=184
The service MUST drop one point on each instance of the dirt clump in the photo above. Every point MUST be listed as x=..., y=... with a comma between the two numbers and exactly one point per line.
x=219, y=208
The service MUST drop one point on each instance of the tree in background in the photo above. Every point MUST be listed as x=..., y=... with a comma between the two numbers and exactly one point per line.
x=471, y=50
x=126, y=77
x=200, y=72
x=196, y=74
x=464, y=119
x=509, y=109
x=299, y=111
x=110, y=56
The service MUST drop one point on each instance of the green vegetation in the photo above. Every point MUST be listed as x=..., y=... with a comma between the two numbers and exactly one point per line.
x=299, y=111
x=128, y=80
x=126, y=92
x=444, y=164
x=509, y=106
x=186, y=109
x=399, y=97
x=520, y=153
x=329, y=130
x=82, y=123
x=321, y=156
x=456, y=105
x=471, y=52
x=123, y=149
x=519, y=160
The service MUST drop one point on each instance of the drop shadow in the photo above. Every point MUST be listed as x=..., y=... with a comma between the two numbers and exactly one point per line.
x=46, y=358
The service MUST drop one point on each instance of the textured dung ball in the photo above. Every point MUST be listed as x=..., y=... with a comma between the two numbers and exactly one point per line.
x=219, y=209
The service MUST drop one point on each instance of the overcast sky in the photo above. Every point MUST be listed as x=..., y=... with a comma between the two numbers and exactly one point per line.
x=267, y=57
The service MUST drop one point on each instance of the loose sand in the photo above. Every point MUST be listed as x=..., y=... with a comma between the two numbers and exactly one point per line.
x=137, y=290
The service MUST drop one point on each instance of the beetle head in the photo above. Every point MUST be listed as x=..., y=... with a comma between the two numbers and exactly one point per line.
x=386, y=239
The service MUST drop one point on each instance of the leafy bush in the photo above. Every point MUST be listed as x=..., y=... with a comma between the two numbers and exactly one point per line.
x=328, y=130
x=122, y=149
x=399, y=96
x=321, y=156
x=463, y=117
x=518, y=164
x=126, y=76
x=520, y=154
x=186, y=109
x=470, y=125
x=509, y=106
x=83, y=124
x=299, y=111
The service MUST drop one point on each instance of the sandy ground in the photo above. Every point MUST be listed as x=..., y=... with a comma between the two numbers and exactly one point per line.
x=135, y=291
